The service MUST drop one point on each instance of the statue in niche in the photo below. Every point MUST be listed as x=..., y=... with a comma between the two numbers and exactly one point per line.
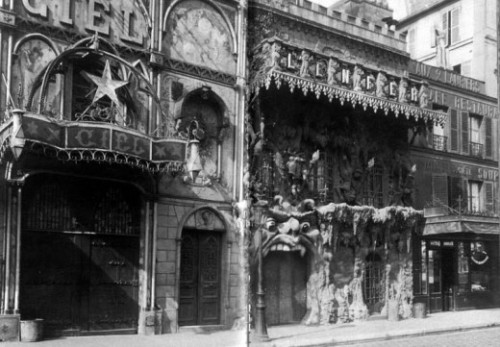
x=357, y=78
x=381, y=85
x=333, y=67
x=305, y=58
x=423, y=95
x=403, y=90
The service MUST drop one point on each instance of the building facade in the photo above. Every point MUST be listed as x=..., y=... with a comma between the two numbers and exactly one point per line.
x=121, y=151
x=353, y=145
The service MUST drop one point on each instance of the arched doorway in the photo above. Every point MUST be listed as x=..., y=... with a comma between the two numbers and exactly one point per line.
x=80, y=254
x=285, y=283
x=200, y=292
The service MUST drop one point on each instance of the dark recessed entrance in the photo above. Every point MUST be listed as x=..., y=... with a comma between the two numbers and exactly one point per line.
x=285, y=281
x=80, y=255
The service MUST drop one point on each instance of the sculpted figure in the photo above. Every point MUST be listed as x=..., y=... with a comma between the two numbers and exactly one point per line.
x=423, y=95
x=276, y=56
x=381, y=85
x=403, y=90
x=357, y=78
x=333, y=66
x=304, y=66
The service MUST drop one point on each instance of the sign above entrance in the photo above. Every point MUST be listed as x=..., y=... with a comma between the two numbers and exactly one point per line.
x=106, y=137
x=121, y=21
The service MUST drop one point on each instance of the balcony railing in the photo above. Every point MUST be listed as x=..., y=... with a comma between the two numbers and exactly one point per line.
x=476, y=149
x=439, y=143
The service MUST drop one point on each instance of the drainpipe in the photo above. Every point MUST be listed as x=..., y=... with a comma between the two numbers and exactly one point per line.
x=153, y=256
x=18, y=251
x=146, y=258
x=6, y=291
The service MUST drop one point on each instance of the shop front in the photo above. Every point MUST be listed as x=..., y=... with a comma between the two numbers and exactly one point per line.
x=456, y=265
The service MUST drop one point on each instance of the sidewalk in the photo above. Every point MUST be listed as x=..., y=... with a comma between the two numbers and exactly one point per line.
x=295, y=335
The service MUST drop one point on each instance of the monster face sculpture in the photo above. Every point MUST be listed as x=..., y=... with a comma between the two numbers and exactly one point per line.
x=295, y=231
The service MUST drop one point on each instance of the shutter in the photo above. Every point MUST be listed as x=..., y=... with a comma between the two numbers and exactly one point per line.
x=465, y=132
x=439, y=190
x=453, y=130
x=489, y=197
x=465, y=195
x=454, y=26
x=446, y=27
x=488, y=138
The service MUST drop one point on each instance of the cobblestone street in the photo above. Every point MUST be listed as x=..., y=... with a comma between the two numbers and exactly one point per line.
x=481, y=337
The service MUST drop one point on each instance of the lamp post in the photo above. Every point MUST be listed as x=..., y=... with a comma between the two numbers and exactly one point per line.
x=259, y=213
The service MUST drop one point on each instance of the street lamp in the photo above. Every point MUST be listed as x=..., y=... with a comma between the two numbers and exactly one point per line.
x=259, y=213
x=17, y=140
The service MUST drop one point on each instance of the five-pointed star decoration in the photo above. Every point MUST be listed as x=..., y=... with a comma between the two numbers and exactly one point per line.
x=106, y=85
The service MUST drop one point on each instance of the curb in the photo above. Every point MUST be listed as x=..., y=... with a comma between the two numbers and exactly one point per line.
x=397, y=335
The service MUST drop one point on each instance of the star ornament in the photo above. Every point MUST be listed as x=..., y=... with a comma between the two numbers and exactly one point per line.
x=106, y=85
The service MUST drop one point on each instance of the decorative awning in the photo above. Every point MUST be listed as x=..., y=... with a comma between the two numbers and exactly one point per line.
x=281, y=78
x=461, y=224
x=93, y=141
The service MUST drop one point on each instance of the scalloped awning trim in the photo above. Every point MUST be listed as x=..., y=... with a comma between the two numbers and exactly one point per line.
x=344, y=95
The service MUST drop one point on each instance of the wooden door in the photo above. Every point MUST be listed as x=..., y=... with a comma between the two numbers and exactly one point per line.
x=113, y=283
x=285, y=281
x=200, y=278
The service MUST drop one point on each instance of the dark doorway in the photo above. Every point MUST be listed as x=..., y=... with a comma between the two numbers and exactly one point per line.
x=285, y=281
x=373, y=282
x=448, y=273
x=200, y=278
x=80, y=255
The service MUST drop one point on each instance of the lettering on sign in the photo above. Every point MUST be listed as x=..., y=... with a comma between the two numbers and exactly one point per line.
x=119, y=20
x=446, y=76
x=463, y=104
x=453, y=168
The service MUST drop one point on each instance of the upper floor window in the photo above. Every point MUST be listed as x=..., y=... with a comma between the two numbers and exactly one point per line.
x=451, y=26
x=473, y=196
x=410, y=42
x=471, y=134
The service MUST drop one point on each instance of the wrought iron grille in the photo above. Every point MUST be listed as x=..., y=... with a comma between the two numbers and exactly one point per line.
x=476, y=149
x=439, y=142
x=373, y=282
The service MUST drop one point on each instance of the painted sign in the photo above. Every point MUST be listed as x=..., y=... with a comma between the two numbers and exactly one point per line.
x=107, y=137
x=445, y=76
x=474, y=172
x=461, y=103
x=121, y=21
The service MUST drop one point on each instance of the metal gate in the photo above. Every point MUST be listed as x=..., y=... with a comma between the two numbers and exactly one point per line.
x=80, y=255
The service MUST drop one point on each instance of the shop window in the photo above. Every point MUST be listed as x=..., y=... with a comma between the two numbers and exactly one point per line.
x=463, y=267
x=479, y=267
x=434, y=271
x=420, y=268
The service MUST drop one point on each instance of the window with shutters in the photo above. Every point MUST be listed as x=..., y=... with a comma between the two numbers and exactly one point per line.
x=451, y=26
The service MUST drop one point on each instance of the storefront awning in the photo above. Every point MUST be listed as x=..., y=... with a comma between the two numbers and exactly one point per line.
x=462, y=224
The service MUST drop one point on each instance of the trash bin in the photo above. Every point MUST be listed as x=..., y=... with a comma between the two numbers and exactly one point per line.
x=31, y=330
x=419, y=310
